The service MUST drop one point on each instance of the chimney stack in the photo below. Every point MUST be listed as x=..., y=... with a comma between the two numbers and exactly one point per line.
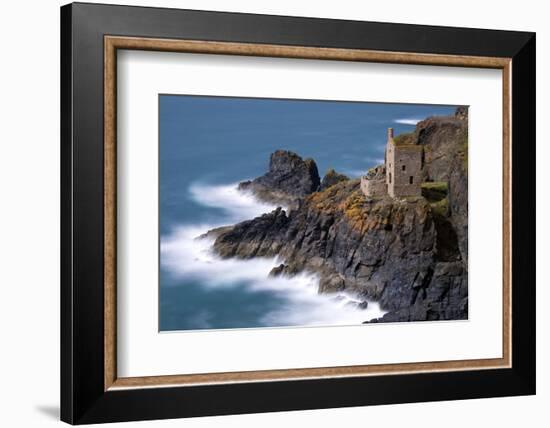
x=390, y=134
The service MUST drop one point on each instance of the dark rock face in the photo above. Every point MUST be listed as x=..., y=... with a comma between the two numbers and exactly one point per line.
x=289, y=178
x=458, y=203
x=409, y=254
x=253, y=238
x=283, y=270
x=445, y=141
x=442, y=138
x=331, y=178
x=383, y=249
x=214, y=233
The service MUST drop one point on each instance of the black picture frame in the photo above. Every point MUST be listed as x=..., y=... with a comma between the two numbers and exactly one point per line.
x=83, y=398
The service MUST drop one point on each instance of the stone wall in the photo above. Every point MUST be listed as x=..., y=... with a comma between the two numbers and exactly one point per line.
x=404, y=166
x=374, y=187
x=401, y=174
x=374, y=183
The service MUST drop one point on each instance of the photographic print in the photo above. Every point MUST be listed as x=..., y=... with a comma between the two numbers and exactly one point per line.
x=284, y=212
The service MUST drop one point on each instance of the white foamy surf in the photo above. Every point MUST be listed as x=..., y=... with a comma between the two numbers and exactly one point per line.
x=408, y=121
x=235, y=204
x=185, y=256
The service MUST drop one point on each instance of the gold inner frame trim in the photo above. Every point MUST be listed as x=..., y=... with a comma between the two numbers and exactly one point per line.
x=113, y=43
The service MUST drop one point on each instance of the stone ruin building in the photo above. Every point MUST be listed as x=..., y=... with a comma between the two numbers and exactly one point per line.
x=401, y=174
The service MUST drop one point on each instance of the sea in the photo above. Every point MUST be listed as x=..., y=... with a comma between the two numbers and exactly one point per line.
x=207, y=145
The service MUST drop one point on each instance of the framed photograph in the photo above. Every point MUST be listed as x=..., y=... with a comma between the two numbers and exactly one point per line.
x=265, y=213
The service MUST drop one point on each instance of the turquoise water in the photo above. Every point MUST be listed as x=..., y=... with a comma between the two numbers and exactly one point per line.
x=207, y=146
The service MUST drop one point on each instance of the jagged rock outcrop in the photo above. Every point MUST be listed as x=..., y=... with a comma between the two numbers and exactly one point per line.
x=331, y=178
x=461, y=113
x=289, y=179
x=258, y=237
x=409, y=254
x=443, y=138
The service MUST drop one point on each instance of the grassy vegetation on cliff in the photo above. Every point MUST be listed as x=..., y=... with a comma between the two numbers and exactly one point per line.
x=346, y=199
x=405, y=138
x=441, y=207
x=330, y=199
x=434, y=191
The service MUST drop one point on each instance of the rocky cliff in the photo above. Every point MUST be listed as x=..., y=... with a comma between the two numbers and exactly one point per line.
x=409, y=254
x=445, y=141
x=289, y=179
x=331, y=178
